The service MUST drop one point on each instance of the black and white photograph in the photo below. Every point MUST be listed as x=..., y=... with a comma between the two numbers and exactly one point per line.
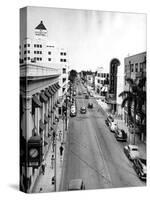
x=82, y=99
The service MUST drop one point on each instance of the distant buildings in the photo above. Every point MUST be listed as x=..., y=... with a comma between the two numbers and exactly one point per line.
x=101, y=81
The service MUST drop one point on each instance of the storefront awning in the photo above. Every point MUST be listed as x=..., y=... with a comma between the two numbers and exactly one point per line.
x=36, y=102
x=43, y=98
x=47, y=93
x=53, y=88
x=50, y=91
x=57, y=85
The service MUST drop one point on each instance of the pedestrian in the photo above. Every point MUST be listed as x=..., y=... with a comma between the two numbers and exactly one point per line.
x=61, y=148
x=60, y=134
x=52, y=161
x=43, y=167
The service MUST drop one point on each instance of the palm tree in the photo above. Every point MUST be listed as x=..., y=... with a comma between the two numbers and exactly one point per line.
x=134, y=99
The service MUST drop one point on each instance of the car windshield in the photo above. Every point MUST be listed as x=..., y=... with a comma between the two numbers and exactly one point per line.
x=134, y=149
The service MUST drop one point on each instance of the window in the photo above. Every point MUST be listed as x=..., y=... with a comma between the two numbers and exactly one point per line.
x=49, y=52
x=40, y=58
x=49, y=59
x=28, y=51
x=40, y=46
x=40, y=52
x=28, y=45
x=65, y=54
x=61, y=60
x=61, y=53
x=141, y=67
x=65, y=60
x=37, y=52
x=25, y=45
x=98, y=81
x=64, y=70
x=25, y=52
x=28, y=58
x=136, y=67
x=34, y=45
x=132, y=68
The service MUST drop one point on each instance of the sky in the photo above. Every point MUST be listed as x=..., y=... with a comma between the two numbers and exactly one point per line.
x=92, y=38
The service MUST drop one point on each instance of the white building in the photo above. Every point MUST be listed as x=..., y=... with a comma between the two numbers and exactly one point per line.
x=39, y=50
x=100, y=78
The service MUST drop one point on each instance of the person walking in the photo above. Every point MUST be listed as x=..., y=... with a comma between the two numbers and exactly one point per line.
x=61, y=149
x=43, y=167
x=52, y=161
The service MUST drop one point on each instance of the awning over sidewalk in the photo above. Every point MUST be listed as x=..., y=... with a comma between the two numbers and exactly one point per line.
x=36, y=102
x=50, y=91
x=47, y=93
x=43, y=98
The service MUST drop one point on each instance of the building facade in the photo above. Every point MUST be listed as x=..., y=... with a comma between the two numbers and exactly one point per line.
x=101, y=81
x=43, y=81
x=135, y=68
x=112, y=92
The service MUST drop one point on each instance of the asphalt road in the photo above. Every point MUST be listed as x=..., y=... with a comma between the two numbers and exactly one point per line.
x=93, y=154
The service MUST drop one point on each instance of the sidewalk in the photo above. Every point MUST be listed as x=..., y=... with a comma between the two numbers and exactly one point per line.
x=44, y=182
x=121, y=124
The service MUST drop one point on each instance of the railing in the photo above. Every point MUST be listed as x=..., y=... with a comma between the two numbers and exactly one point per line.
x=36, y=70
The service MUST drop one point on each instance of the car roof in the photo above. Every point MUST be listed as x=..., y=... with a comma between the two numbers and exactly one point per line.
x=75, y=184
x=133, y=146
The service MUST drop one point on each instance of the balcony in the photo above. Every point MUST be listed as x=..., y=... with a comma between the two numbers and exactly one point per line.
x=31, y=70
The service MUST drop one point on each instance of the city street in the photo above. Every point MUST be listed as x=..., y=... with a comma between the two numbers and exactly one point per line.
x=93, y=154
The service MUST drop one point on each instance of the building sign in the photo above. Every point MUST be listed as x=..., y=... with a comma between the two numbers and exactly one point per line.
x=34, y=151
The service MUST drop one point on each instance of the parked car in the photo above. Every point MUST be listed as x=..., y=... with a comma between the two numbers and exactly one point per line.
x=131, y=151
x=83, y=110
x=113, y=126
x=109, y=120
x=121, y=135
x=73, y=113
x=139, y=164
x=86, y=96
x=90, y=105
x=76, y=184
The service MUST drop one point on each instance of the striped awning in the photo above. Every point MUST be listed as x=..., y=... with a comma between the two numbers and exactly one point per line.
x=47, y=93
x=36, y=102
x=43, y=98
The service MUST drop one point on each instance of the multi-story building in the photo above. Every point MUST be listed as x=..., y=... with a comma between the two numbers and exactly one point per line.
x=112, y=97
x=41, y=67
x=39, y=50
x=101, y=81
x=135, y=68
